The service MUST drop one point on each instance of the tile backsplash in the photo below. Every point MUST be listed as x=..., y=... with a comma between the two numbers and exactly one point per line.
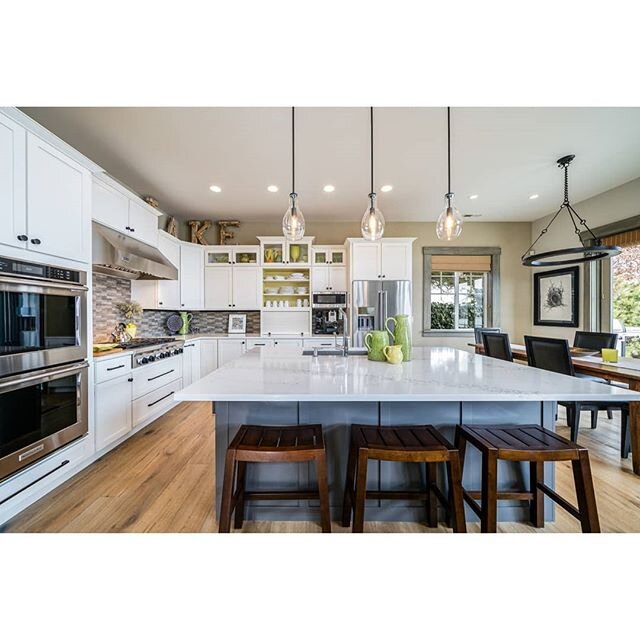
x=108, y=292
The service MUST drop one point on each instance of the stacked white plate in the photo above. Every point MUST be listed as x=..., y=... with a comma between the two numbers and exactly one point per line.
x=296, y=276
x=286, y=290
x=301, y=289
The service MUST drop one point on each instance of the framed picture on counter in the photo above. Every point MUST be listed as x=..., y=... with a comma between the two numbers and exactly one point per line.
x=237, y=323
x=555, y=297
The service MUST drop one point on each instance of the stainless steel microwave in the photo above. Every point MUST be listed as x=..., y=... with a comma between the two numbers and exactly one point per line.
x=329, y=299
x=42, y=316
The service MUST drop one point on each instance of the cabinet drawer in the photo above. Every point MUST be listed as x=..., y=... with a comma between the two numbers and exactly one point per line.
x=153, y=376
x=155, y=402
x=259, y=342
x=111, y=368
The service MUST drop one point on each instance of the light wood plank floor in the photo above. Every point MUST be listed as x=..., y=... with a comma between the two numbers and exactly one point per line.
x=162, y=480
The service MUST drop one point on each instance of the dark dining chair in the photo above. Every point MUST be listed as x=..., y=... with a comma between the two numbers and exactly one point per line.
x=596, y=340
x=552, y=354
x=497, y=345
x=478, y=331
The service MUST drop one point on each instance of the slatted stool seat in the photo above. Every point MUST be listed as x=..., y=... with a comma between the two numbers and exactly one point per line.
x=264, y=444
x=422, y=444
x=535, y=445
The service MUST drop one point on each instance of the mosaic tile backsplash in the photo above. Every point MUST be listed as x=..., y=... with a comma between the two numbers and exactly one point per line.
x=108, y=292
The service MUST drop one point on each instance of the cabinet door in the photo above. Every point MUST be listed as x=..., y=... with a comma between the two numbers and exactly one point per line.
x=246, y=255
x=247, y=287
x=191, y=362
x=191, y=277
x=230, y=350
x=320, y=256
x=113, y=410
x=365, y=261
x=396, y=260
x=109, y=206
x=208, y=355
x=299, y=252
x=218, y=256
x=168, y=294
x=218, y=287
x=337, y=256
x=13, y=176
x=58, y=197
x=145, y=292
x=143, y=224
x=338, y=278
x=320, y=278
x=170, y=249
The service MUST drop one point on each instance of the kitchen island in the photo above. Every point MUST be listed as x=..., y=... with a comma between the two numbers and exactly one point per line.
x=440, y=386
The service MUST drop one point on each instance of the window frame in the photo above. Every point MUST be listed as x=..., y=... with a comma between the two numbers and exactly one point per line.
x=492, y=306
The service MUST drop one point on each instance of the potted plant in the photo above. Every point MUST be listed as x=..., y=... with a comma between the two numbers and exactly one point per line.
x=130, y=311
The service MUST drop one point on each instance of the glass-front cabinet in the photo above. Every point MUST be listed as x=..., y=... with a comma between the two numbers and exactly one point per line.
x=276, y=251
x=329, y=255
x=222, y=255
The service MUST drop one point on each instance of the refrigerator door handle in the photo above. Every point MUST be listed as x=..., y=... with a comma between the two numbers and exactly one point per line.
x=384, y=309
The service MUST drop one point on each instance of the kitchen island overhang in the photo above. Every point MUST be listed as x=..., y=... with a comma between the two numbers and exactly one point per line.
x=440, y=386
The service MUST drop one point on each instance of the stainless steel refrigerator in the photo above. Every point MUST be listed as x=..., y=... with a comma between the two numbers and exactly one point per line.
x=373, y=301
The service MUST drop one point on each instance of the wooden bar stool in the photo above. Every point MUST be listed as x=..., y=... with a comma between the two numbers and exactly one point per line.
x=402, y=444
x=535, y=445
x=252, y=443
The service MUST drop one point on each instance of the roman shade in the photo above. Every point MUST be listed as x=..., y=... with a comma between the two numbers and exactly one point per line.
x=461, y=263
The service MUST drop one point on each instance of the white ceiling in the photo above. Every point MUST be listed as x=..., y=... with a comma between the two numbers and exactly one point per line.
x=502, y=154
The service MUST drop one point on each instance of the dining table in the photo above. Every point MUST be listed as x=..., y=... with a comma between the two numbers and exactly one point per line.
x=586, y=361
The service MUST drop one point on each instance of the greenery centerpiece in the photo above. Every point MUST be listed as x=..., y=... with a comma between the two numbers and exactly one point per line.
x=130, y=311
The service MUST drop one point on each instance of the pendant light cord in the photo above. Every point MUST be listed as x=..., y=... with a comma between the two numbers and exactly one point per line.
x=293, y=149
x=449, y=154
x=371, y=144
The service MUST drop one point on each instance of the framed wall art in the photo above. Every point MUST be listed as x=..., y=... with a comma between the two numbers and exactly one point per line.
x=555, y=297
x=237, y=323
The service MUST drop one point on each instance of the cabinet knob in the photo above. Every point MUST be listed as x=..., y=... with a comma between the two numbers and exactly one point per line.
x=35, y=241
x=132, y=230
x=129, y=379
x=128, y=228
x=160, y=303
x=22, y=238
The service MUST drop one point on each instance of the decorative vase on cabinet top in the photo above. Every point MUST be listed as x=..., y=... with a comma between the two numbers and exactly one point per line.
x=401, y=334
x=376, y=341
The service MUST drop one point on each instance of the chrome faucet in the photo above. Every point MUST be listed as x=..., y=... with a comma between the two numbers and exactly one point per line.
x=345, y=331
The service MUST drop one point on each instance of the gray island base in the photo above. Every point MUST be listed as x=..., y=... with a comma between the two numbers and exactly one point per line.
x=441, y=386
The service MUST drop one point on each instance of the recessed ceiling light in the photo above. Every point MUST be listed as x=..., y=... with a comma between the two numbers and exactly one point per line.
x=215, y=188
x=533, y=196
x=273, y=188
x=473, y=197
x=386, y=187
x=328, y=188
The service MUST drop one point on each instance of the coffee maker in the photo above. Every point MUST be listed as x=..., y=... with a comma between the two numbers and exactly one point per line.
x=327, y=322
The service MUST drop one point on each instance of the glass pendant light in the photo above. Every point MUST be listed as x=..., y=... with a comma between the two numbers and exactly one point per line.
x=449, y=225
x=372, y=225
x=293, y=221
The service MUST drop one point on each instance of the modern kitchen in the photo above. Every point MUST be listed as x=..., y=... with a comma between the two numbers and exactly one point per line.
x=380, y=371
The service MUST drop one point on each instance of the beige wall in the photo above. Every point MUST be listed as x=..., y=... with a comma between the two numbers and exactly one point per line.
x=512, y=237
x=605, y=208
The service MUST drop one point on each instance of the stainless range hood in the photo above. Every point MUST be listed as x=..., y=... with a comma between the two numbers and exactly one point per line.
x=121, y=255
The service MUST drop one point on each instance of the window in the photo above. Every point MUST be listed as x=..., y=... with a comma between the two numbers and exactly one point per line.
x=460, y=289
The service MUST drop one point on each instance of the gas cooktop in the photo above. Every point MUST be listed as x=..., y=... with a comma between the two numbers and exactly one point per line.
x=141, y=343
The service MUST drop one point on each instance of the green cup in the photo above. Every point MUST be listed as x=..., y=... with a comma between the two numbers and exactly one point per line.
x=376, y=341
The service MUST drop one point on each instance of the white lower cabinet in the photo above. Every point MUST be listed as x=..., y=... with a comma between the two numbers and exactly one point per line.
x=322, y=343
x=155, y=402
x=230, y=350
x=209, y=348
x=152, y=376
x=259, y=342
x=190, y=362
x=113, y=399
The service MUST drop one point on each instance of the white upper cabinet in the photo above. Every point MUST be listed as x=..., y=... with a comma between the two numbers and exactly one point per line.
x=13, y=176
x=191, y=276
x=109, y=206
x=229, y=287
x=365, y=261
x=396, y=260
x=247, y=288
x=329, y=278
x=58, y=202
x=338, y=279
x=218, y=287
x=143, y=224
x=127, y=214
x=276, y=251
x=386, y=259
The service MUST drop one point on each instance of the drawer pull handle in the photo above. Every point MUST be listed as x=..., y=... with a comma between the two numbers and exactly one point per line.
x=166, y=373
x=160, y=399
x=42, y=477
x=189, y=345
x=120, y=366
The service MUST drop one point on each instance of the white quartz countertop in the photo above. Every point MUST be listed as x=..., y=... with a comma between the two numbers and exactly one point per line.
x=434, y=374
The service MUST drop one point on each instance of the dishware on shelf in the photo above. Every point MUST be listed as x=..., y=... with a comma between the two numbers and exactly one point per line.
x=376, y=341
x=305, y=303
x=174, y=323
x=286, y=290
x=294, y=252
x=393, y=354
x=401, y=333
x=298, y=302
x=301, y=289
x=286, y=303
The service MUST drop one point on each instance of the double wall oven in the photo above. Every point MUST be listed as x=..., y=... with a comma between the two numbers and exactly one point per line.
x=43, y=361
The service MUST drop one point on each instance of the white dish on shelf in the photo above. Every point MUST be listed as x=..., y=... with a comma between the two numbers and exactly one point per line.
x=287, y=290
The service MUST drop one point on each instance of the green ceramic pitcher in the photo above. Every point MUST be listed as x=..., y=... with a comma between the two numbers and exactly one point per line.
x=376, y=341
x=401, y=334
x=186, y=322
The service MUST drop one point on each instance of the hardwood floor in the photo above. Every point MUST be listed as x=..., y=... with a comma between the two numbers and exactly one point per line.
x=162, y=480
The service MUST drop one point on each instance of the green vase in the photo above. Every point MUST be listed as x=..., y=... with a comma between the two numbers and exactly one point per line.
x=376, y=341
x=401, y=334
